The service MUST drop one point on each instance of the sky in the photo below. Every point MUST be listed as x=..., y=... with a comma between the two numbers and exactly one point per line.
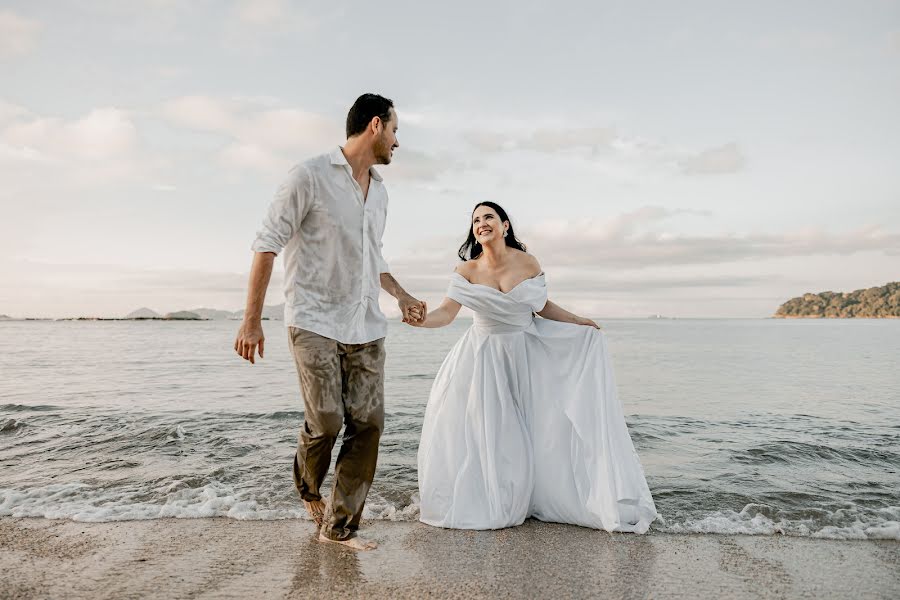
x=690, y=159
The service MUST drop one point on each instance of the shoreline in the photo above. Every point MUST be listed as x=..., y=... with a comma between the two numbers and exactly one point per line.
x=834, y=318
x=224, y=558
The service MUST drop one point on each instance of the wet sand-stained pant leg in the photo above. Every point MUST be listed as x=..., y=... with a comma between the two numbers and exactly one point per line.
x=342, y=384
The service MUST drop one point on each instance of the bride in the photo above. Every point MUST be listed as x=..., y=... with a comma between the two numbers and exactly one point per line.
x=523, y=418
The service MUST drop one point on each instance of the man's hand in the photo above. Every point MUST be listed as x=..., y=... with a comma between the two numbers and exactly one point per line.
x=413, y=310
x=249, y=336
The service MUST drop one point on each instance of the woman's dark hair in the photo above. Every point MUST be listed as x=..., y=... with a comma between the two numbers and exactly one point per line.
x=366, y=108
x=471, y=248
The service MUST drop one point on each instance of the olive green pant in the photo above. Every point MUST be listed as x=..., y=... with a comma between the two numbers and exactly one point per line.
x=342, y=385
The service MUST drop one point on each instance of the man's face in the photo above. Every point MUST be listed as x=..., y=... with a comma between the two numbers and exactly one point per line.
x=386, y=140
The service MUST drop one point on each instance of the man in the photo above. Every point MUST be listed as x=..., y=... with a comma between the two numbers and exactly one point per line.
x=329, y=218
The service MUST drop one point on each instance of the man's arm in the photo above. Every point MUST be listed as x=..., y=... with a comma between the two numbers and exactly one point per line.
x=250, y=335
x=413, y=310
x=286, y=212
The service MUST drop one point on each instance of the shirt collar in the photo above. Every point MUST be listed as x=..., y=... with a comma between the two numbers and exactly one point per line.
x=338, y=158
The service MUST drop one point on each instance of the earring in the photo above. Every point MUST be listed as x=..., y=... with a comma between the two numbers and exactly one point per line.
x=505, y=233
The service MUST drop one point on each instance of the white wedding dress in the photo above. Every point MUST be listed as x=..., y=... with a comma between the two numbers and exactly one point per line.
x=523, y=420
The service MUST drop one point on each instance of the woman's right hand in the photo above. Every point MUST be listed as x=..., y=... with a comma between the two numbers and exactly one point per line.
x=419, y=321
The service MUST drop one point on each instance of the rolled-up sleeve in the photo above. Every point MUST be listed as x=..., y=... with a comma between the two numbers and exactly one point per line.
x=383, y=266
x=286, y=211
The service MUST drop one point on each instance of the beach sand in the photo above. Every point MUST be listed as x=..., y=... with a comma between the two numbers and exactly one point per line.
x=223, y=558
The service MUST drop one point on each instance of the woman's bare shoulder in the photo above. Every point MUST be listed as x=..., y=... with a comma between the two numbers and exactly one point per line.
x=466, y=268
x=527, y=261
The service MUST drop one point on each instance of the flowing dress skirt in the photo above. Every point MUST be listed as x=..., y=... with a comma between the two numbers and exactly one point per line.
x=528, y=423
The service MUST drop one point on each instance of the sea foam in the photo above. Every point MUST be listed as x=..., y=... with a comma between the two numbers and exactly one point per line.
x=81, y=502
x=848, y=524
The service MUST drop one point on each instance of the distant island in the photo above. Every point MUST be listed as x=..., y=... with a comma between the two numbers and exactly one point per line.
x=872, y=303
x=143, y=313
x=183, y=315
x=270, y=313
x=273, y=313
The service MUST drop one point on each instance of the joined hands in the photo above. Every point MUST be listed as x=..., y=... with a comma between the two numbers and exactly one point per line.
x=413, y=311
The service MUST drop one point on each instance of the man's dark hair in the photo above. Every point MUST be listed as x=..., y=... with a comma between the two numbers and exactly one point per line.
x=366, y=108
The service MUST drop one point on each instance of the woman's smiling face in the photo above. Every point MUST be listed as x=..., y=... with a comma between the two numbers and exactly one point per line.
x=486, y=225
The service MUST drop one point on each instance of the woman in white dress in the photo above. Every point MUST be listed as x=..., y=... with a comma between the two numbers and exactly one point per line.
x=523, y=417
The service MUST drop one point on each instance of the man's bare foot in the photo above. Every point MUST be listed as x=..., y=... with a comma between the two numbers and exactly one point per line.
x=316, y=510
x=354, y=543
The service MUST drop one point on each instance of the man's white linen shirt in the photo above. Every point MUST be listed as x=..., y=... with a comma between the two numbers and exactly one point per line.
x=331, y=237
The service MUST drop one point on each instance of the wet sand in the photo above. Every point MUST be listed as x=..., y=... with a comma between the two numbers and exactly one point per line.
x=222, y=558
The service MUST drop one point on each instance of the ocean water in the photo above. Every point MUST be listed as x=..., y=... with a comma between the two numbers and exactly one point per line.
x=743, y=426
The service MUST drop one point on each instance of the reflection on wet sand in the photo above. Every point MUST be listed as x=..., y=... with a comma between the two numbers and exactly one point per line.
x=224, y=558
x=324, y=566
x=532, y=560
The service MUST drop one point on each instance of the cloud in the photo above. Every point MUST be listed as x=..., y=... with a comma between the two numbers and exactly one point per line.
x=10, y=112
x=636, y=248
x=893, y=41
x=9, y=153
x=261, y=12
x=633, y=264
x=637, y=240
x=557, y=140
x=202, y=113
x=722, y=159
x=99, y=147
x=18, y=35
x=587, y=281
x=489, y=141
x=618, y=227
x=260, y=137
x=548, y=140
x=254, y=157
x=254, y=24
x=284, y=129
x=622, y=156
x=409, y=165
x=566, y=283
x=102, y=134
